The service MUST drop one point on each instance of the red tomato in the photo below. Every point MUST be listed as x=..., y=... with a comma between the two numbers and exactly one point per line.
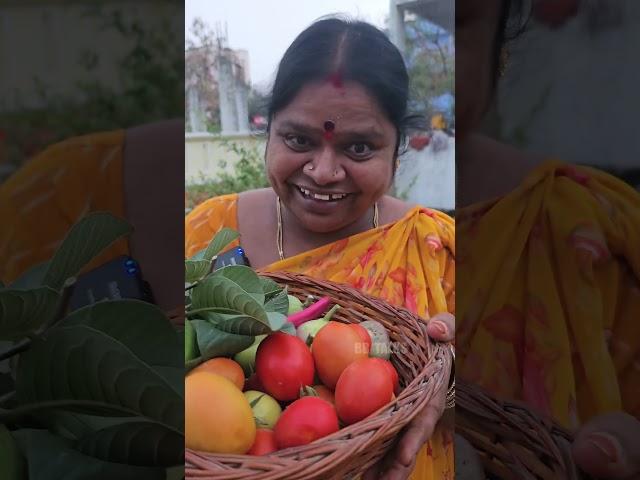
x=363, y=388
x=304, y=421
x=264, y=444
x=364, y=336
x=335, y=347
x=324, y=393
x=284, y=364
x=393, y=374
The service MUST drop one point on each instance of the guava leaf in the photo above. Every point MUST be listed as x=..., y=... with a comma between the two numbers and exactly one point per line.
x=223, y=238
x=279, y=303
x=23, y=312
x=135, y=443
x=141, y=327
x=269, y=287
x=220, y=292
x=32, y=278
x=213, y=342
x=81, y=369
x=50, y=457
x=86, y=239
x=245, y=278
x=194, y=270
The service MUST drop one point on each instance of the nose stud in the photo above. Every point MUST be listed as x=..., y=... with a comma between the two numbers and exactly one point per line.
x=310, y=166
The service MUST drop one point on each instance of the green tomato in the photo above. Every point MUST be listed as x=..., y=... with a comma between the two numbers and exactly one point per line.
x=266, y=410
x=190, y=347
x=247, y=357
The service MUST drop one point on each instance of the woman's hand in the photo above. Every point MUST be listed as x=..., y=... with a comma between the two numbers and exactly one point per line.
x=608, y=447
x=399, y=463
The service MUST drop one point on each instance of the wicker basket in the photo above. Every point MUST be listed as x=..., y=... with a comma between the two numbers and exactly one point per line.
x=422, y=366
x=513, y=442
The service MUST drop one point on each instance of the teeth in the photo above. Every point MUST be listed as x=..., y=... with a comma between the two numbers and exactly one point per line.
x=324, y=197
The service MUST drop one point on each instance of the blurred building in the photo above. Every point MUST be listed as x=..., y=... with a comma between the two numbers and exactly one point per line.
x=217, y=87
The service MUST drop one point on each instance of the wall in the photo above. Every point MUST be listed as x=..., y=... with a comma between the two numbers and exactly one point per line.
x=204, y=152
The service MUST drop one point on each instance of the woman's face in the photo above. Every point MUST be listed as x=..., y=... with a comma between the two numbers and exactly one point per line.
x=476, y=27
x=330, y=155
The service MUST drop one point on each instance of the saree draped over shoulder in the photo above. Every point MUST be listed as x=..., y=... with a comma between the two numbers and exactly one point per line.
x=550, y=295
x=409, y=263
x=50, y=193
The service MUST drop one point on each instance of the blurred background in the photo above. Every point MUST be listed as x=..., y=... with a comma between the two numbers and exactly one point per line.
x=84, y=67
x=570, y=88
x=232, y=50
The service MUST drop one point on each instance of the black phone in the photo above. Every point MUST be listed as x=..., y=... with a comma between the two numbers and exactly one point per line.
x=120, y=278
x=233, y=256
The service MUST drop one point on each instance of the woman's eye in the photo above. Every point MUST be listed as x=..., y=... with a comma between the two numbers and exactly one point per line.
x=297, y=142
x=359, y=150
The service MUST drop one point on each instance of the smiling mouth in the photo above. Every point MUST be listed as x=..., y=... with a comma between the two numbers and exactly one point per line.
x=324, y=197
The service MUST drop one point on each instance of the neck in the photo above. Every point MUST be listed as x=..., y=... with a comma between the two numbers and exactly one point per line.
x=297, y=237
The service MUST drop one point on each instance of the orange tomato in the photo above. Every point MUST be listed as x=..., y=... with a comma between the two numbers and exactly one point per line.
x=218, y=417
x=226, y=367
x=334, y=348
x=364, y=336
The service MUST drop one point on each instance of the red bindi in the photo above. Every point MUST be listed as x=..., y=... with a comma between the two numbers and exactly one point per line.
x=329, y=127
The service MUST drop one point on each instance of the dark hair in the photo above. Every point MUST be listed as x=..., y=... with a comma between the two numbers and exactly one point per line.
x=514, y=17
x=345, y=50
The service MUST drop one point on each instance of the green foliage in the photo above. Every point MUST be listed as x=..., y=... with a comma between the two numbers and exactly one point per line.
x=98, y=392
x=149, y=85
x=230, y=306
x=248, y=173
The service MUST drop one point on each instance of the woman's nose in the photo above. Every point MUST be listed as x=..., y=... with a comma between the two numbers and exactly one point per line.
x=326, y=167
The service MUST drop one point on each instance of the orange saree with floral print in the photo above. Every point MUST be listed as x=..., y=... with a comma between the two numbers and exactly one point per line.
x=409, y=263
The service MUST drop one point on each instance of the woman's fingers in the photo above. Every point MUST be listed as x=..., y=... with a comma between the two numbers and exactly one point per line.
x=608, y=447
x=442, y=327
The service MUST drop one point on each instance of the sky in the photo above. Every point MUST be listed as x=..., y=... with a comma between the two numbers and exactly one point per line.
x=266, y=28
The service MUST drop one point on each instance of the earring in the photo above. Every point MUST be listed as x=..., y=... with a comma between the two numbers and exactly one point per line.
x=397, y=163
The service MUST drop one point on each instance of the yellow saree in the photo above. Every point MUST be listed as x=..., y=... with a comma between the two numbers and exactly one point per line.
x=408, y=263
x=549, y=294
x=48, y=195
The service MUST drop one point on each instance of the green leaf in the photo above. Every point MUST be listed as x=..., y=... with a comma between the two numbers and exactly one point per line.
x=239, y=324
x=277, y=321
x=135, y=443
x=221, y=292
x=140, y=326
x=81, y=369
x=51, y=457
x=194, y=270
x=22, y=312
x=32, y=278
x=11, y=461
x=85, y=241
x=288, y=328
x=216, y=343
x=223, y=238
x=269, y=287
x=279, y=303
x=245, y=278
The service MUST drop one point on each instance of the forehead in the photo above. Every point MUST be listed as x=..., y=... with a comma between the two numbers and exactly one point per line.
x=347, y=103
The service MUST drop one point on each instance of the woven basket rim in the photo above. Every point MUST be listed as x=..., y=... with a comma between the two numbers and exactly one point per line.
x=383, y=425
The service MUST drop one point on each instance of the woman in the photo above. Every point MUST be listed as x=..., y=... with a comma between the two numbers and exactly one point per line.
x=336, y=123
x=549, y=252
